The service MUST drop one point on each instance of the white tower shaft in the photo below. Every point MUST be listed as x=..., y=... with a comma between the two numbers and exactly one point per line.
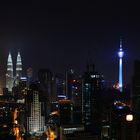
x=120, y=76
x=120, y=54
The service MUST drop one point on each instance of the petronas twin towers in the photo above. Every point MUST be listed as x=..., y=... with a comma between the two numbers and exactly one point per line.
x=12, y=80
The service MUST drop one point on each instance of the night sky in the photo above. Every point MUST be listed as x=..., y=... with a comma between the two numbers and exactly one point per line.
x=59, y=35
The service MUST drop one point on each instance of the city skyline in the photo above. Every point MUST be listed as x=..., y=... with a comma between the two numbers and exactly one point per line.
x=65, y=35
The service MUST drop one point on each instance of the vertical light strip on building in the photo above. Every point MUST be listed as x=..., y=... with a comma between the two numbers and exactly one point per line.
x=120, y=55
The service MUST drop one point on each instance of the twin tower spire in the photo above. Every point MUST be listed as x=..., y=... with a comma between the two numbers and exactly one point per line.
x=11, y=80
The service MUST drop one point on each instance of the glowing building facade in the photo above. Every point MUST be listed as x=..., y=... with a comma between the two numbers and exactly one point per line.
x=120, y=55
x=9, y=74
x=18, y=66
x=18, y=69
x=34, y=112
x=11, y=80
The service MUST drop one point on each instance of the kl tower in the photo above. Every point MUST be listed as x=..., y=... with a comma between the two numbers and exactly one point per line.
x=120, y=55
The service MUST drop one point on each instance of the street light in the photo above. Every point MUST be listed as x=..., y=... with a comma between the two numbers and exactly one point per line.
x=129, y=117
x=50, y=134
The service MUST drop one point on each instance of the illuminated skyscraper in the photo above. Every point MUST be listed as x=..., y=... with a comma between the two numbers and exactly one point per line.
x=9, y=74
x=35, y=110
x=18, y=69
x=18, y=66
x=120, y=55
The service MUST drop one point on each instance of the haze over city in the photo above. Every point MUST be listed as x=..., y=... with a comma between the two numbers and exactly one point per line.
x=61, y=35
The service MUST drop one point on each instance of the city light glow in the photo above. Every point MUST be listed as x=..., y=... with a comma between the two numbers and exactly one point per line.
x=120, y=53
x=129, y=117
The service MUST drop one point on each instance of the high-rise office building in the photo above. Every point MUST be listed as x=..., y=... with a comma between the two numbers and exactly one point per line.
x=74, y=93
x=72, y=85
x=59, y=85
x=92, y=84
x=45, y=79
x=29, y=73
x=136, y=86
x=9, y=74
x=34, y=111
x=76, y=98
x=66, y=112
x=70, y=76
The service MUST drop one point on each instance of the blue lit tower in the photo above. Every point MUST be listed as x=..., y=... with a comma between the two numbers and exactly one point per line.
x=120, y=55
x=9, y=74
x=18, y=66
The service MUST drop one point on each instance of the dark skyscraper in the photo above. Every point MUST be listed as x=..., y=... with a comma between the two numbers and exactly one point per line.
x=76, y=99
x=46, y=86
x=45, y=79
x=91, y=90
x=66, y=112
x=29, y=75
x=136, y=98
x=136, y=86
x=71, y=79
x=59, y=85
